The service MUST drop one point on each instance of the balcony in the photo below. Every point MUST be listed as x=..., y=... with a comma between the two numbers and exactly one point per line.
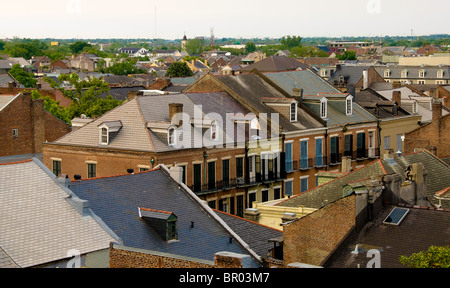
x=306, y=163
x=320, y=162
x=236, y=183
x=335, y=158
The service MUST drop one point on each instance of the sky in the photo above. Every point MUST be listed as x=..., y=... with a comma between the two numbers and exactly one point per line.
x=63, y=19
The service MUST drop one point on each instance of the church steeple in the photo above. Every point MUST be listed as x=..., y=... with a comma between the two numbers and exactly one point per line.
x=183, y=43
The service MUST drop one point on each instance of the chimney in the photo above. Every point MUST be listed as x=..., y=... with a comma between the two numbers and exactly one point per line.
x=175, y=113
x=11, y=84
x=346, y=165
x=437, y=111
x=176, y=172
x=397, y=97
x=252, y=214
x=446, y=101
x=365, y=79
x=297, y=93
x=133, y=94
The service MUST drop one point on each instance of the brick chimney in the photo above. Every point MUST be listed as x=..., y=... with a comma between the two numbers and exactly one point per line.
x=397, y=97
x=297, y=93
x=175, y=116
x=436, y=111
x=446, y=101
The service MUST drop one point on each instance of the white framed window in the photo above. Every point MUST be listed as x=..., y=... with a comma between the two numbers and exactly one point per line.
x=171, y=136
x=15, y=132
x=323, y=72
x=293, y=112
x=420, y=81
x=415, y=107
x=387, y=73
x=422, y=74
x=323, y=107
x=104, y=136
x=404, y=73
x=440, y=73
x=349, y=105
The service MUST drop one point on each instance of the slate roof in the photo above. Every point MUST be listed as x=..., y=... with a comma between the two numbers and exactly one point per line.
x=368, y=99
x=438, y=178
x=336, y=112
x=276, y=63
x=251, y=88
x=413, y=72
x=38, y=224
x=5, y=100
x=133, y=135
x=420, y=229
x=117, y=199
x=331, y=191
x=254, y=234
x=351, y=73
x=304, y=79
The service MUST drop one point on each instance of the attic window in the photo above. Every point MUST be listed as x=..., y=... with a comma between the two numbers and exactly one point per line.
x=171, y=137
x=293, y=112
x=349, y=105
x=387, y=73
x=404, y=73
x=422, y=73
x=323, y=107
x=396, y=216
x=106, y=129
x=163, y=222
x=440, y=73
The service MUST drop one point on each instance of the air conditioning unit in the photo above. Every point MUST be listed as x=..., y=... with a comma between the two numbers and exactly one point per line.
x=240, y=181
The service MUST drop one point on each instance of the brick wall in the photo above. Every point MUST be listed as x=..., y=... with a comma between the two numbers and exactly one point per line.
x=433, y=136
x=130, y=259
x=34, y=125
x=312, y=238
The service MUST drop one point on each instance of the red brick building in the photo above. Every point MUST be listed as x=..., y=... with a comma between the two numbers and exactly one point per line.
x=26, y=125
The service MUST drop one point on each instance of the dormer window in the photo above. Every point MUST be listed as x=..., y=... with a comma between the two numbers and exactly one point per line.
x=349, y=105
x=107, y=130
x=404, y=73
x=293, y=112
x=387, y=73
x=440, y=73
x=422, y=73
x=323, y=107
x=171, y=136
x=163, y=222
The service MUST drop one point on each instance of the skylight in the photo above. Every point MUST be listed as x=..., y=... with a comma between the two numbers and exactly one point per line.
x=396, y=216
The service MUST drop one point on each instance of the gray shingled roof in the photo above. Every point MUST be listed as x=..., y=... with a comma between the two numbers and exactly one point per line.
x=420, y=229
x=255, y=234
x=276, y=63
x=37, y=223
x=117, y=199
x=304, y=79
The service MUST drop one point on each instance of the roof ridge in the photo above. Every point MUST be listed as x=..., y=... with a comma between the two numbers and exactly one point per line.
x=18, y=162
x=235, y=216
x=155, y=210
x=118, y=175
x=335, y=179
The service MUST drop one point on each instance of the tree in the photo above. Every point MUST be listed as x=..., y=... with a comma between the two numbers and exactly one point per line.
x=289, y=42
x=24, y=78
x=250, y=47
x=25, y=48
x=85, y=95
x=347, y=55
x=194, y=46
x=78, y=46
x=434, y=257
x=53, y=107
x=179, y=69
x=124, y=68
